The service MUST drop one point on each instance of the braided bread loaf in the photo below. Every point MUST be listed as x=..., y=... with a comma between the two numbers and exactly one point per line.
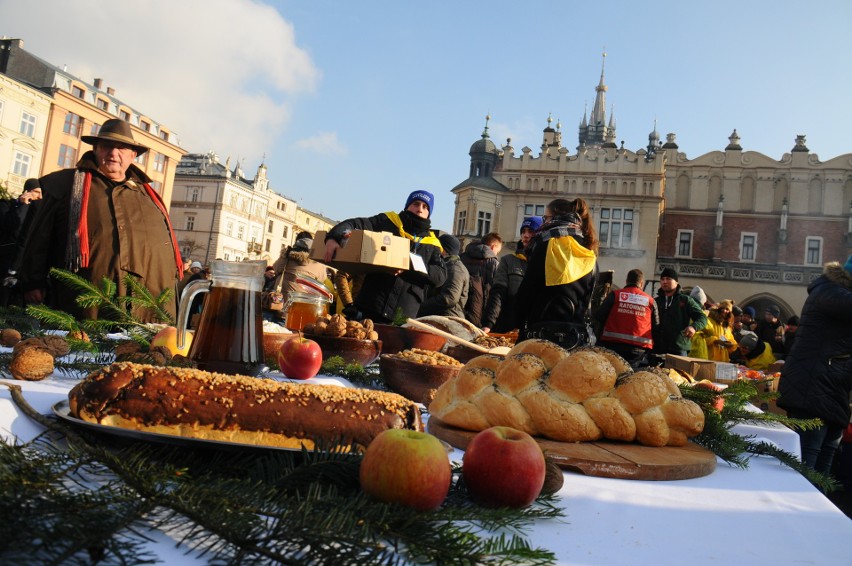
x=582, y=395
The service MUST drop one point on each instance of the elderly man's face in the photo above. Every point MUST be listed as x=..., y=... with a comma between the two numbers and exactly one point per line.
x=114, y=159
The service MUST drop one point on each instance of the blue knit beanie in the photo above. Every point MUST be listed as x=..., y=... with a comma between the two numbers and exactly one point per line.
x=531, y=222
x=424, y=196
x=848, y=265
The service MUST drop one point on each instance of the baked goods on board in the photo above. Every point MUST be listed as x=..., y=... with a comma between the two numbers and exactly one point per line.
x=583, y=395
x=198, y=404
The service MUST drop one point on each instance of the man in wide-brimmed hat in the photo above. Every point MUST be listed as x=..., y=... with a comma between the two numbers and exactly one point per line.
x=101, y=219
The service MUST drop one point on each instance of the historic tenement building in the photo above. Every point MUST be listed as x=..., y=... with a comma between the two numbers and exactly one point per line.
x=51, y=140
x=738, y=223
x=218, y=213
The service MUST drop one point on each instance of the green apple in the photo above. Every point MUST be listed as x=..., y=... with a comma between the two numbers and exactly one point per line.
x=407, y=467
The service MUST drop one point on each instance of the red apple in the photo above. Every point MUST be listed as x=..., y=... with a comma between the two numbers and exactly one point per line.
x=406, y=467
x=503, y=467
x=300, y=358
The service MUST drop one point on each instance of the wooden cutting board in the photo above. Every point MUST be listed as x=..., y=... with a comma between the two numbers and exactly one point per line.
x=608, y=459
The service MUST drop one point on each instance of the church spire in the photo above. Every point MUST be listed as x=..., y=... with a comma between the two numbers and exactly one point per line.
x=596, y=132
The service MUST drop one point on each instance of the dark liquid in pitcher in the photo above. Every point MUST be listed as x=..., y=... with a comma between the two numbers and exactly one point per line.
x=229, y=338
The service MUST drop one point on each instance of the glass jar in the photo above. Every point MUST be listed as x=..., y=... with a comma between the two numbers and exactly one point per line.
x=303, y=309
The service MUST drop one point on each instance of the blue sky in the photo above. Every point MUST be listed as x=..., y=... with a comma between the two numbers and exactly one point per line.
x=356, y=103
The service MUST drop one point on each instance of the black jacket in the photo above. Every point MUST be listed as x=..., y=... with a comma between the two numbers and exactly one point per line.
x=816, y=378
x=382, y=293
x=536, y=302
x=481, y=263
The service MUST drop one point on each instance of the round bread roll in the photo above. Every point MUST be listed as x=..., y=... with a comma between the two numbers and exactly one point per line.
x=518, y=372
x=582, y=374
x=549, y=352
x=640, y=391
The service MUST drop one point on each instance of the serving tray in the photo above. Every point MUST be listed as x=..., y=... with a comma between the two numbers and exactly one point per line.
x=63, y=411
x=606, y=458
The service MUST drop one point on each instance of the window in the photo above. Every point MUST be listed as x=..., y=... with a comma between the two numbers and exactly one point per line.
x=194, y=194
x=21, y=164
x=255, y=234
x=78, y=92
x=227, y=256
x=533, y=210
x=1, y=108
x=145, y=126
x=229, y=229
x=270, y=227
x=483, y=222
x=284, y=233
x=461, y=223
x=102, y=104
x=141, y=159
x=267, y=246
x=813, y=251
x=684, y=243
x=616, y=227
x=157, y=185
x=67, y=156
x=190, y=222
x=72, y=124
x=241, y=232
x=124, y=115
x=748, y=246
x=159, y=162
x=233, y=200
x=28, y=124
x=164, y=135
x=95, y=129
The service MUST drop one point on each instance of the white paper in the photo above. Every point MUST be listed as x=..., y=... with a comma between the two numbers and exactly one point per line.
x=417, y=263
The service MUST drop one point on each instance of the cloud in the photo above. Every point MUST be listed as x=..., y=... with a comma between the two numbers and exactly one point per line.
x=325, y=143
x=221, y=74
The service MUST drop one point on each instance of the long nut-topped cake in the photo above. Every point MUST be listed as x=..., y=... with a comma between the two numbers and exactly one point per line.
x=248, y=410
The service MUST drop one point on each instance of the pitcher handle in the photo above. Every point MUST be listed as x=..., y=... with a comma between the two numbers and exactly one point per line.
x=192, y=289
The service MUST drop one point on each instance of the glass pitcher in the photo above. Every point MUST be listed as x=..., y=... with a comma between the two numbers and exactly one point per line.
x=229, y=338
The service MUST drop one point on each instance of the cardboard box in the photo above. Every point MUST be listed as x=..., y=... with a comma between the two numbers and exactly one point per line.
x=769, y=405
x=717, y=372
x=365, y=252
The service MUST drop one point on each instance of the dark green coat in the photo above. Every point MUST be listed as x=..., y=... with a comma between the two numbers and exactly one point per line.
x=676, y=313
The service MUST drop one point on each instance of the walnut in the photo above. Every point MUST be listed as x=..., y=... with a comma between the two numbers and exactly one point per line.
x=336, y=329
x=338, y=319
x=9, y=337
x=31, y=364
x=372, y=335
x=163, y=351
x=156, y=358
x=56, y=345
x=368, y=325
x=126, y=348
x=354, y=324
x=356, y=333
x=321, y=326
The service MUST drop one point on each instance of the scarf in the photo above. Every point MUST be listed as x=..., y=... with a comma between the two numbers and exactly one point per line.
x=407, y=222
x=77, y=247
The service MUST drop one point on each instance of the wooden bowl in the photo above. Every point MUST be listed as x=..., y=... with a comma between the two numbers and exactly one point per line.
x=352, y=351
x=462, y=353
x=397, y=338
x=272, y=342
x=413, y=380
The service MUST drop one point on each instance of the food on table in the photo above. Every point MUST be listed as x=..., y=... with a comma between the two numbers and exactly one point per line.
x=406, y=467
x=78, y=335
x=489, y=342
x=337, y=325
x=9, y=337
x=427, y=357
x=567, y=396
x=31, y=363
x=503, y=467
x=455, y=325
x=234, y=408
x=300, y=358
x=167, y=338
x=56, y=345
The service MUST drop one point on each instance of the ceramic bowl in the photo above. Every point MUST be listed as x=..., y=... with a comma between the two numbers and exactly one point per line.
x=398, y=338
x=413, y=380
x=353, y=351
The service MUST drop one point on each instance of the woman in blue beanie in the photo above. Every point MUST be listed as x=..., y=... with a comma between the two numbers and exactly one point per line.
x=499, y=313
x=383, y=294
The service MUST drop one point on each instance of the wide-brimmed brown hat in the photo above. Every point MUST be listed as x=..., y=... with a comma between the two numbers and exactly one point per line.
x=116, y=130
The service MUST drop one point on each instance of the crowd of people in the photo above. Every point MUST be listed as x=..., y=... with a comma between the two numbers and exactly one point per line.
x=103, y=221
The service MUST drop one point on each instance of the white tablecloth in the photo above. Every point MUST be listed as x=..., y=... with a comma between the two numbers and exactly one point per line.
x=767, y=514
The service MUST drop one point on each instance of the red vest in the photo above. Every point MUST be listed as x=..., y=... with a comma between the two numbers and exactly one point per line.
x=629, y=320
